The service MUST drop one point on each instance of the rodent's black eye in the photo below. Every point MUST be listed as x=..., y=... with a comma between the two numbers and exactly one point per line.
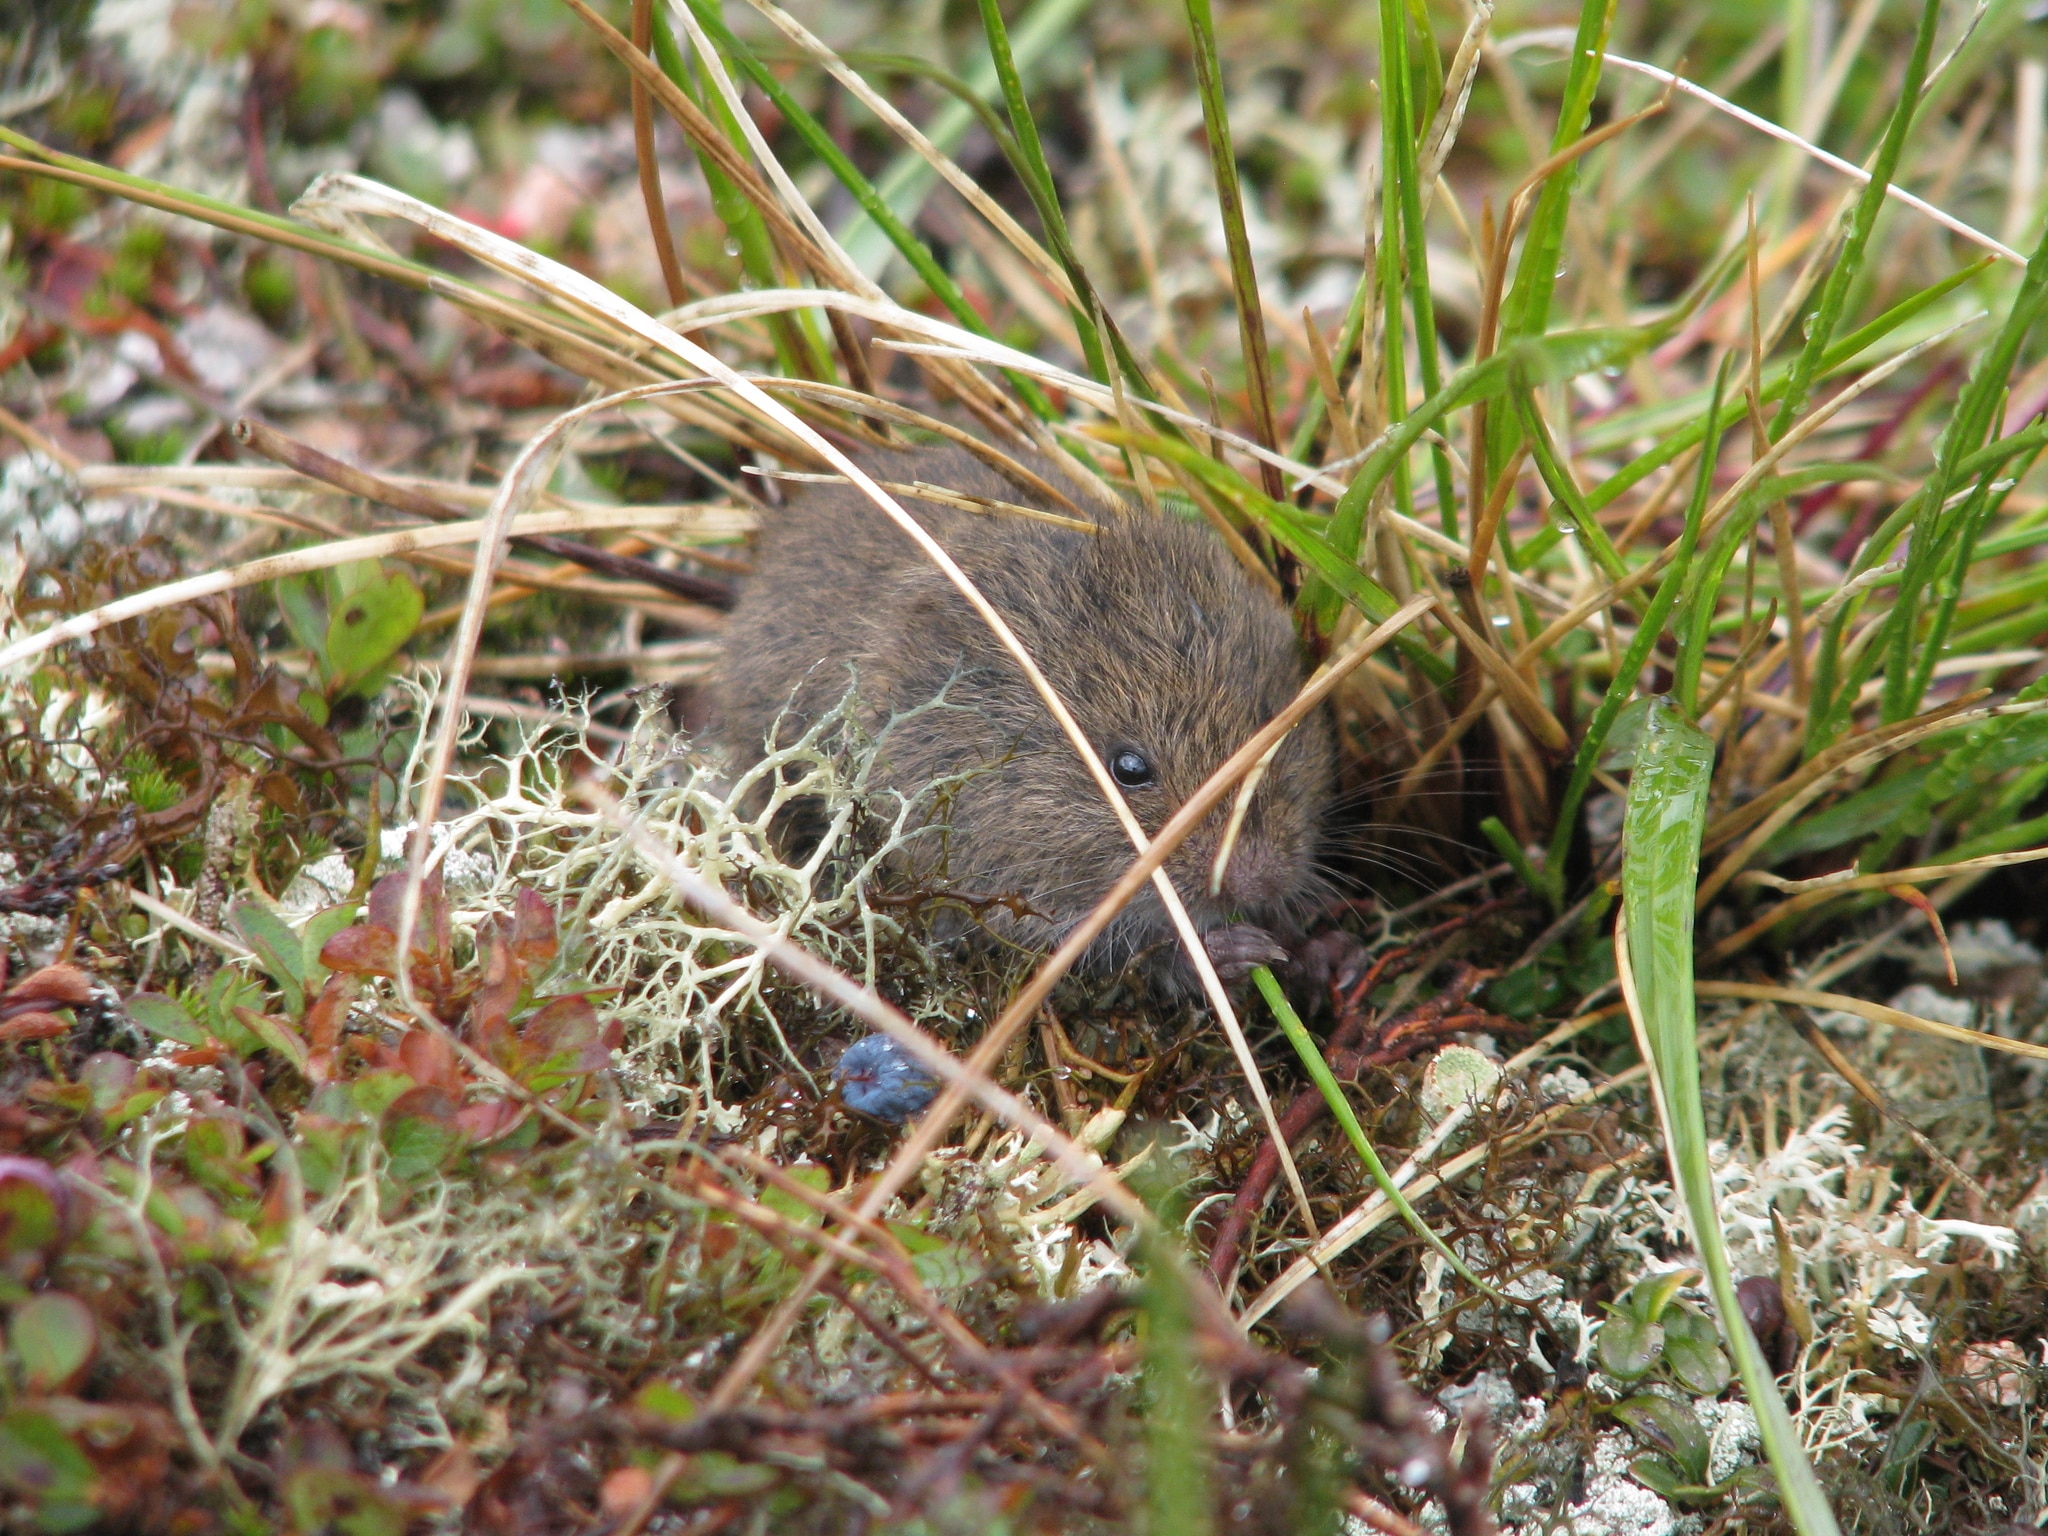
x=1131, y=769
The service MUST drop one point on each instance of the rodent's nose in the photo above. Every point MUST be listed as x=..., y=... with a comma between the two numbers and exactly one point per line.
x=1257, y=876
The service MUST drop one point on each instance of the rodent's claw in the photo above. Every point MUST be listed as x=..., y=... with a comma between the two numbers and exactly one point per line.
x=1236, y=949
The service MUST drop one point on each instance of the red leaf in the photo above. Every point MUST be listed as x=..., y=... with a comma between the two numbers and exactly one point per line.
x=566, y=1026
x=533, y=927
x=485, y=1120
x=432, y=932
x=329, y=1011
x=65, y=985
x=363, y=950
x=33, y=1026
x=425, y=1103
x=430, y=1060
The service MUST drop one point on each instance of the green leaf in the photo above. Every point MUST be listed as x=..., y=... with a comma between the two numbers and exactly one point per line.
x=277, y=1036
x=305, y=613
x=666, y=1401
x=53, y=1336
x=279, y=951
x=420, y=1134
x=1628, y=1345
x=793, y=1207
x=28, y=1206
x=313, y=936
x=342, y=1501
x=1671, y=1428
x=1693, y=1353
x=40, y=1463
x=165, y=1016
x=1665, y=815
x=368, y=626
x=1649, y=1296
x=134, y=1107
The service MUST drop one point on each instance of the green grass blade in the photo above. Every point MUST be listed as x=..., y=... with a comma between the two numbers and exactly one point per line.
x=1673, y=444
x=1400, y=125
x=1178, y=1488
x=1302, y=534
x=1333, y=1095
x=1936, y=527
x=1565, y=489
x=1244, y=278
x=908, y=179
x=735, y=210
x=1622, y=686
x=821, y=143
x=1037, y=177
x=1666, y=813
x=1848, y=264
x=1536, y=360
x=1526, y=310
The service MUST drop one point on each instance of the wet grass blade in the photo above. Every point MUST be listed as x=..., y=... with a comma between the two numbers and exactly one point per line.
x=1672, y=445
x=907, y=179
x=1666, y=814
x=735, y=210
x=1526, y=310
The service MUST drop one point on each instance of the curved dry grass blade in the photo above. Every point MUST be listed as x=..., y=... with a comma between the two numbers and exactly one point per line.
x=320, y=557
x=1560, y=37
x=650, y=168
x=1876, y=1013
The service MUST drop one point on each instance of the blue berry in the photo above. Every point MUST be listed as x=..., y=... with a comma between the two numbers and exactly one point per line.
x=879, y=1078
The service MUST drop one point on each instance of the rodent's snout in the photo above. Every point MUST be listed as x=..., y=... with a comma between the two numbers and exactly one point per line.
x=1257, y=877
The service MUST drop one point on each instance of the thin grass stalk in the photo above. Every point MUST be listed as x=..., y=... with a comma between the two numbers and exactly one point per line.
x=1526, y=310
x=1340, y=1109
x=1940, y=534
x=650, y=168
x=1666, y=813
x=1406, y=246
x=742, y=220
x=1348, y=335
x=1623, y=684
x=1244, y=278
x=821, y=143
x=1037, y=177
x=1848, y=263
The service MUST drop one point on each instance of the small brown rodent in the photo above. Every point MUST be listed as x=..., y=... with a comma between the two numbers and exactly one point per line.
x=1163, y=648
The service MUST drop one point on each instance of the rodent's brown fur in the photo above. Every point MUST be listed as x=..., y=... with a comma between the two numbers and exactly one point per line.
x=1147, y=629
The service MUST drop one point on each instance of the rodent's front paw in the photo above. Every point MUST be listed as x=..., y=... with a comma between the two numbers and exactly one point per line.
x=1236, y=949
